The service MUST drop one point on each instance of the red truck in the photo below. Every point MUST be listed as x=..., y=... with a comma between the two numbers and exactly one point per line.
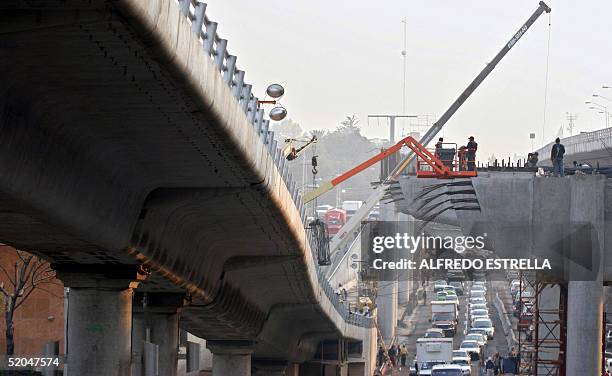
x=334, y=219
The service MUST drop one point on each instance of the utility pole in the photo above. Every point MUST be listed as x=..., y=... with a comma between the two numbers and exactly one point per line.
x=391, y=119
x=404, y=80
x=571, y=118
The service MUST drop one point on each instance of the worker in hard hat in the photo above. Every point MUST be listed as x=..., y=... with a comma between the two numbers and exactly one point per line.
x=439, y=146
x=472, y=146
x=461, y=154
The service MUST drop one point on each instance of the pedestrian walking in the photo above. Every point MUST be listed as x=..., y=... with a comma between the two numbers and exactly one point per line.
x=380, y=356
x=556, y=156
x=497, y=363
x=393, y=355
x=424, y=296
x=403, y=355
x=489, y=367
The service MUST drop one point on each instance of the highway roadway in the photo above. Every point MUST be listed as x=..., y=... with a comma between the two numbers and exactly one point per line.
x=414, y=326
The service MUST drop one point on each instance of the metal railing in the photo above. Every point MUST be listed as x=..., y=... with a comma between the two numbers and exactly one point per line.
x=583, y=143
x=216, y=48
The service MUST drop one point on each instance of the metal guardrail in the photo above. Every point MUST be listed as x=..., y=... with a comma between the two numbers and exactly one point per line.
x=216, y=48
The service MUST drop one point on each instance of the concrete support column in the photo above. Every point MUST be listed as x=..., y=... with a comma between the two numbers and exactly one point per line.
x=231, y=358
x=99, y=318
x=156, y=321
x=386, y=302
x=387, y=299
x=584, y=327
x=585, y=297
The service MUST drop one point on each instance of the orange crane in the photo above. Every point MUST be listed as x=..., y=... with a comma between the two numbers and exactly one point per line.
x=428, y=165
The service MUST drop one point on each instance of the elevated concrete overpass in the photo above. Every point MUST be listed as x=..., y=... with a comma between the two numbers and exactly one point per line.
x=567, y=220
x=593, y=147
x=135, y=157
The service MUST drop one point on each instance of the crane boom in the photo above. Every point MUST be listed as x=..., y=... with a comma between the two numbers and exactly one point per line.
x=437, y=126
x=378, y=193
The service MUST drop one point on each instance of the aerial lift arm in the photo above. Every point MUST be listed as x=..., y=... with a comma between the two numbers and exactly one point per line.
x=378, y=193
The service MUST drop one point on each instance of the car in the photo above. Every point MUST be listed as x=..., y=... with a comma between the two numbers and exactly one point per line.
x=515, y=285
x=472, y=348
x=452, y=298
x=449, y=288
x=464, y=362
x=485, y=324
x=477, y=294
x=425, y=368
x=458, y=285
x=439, y=285
x=447, y=370
x=478, y=330
x=479, y=306
x=478, y=288
x=527, y=293
x=479, y=312
x=477, y=301
x=481, y=339
x=460, y=354
x=434, y=333
x=441, y=295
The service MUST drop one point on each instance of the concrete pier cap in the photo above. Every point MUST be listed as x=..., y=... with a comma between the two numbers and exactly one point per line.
x=231, y=357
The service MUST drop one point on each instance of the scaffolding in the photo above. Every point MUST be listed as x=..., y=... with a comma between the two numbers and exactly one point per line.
x=542, y=326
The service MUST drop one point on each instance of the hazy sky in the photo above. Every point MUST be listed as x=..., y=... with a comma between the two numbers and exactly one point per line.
x=337, y=58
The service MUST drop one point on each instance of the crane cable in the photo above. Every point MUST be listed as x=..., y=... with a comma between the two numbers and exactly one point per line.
x=546, y=80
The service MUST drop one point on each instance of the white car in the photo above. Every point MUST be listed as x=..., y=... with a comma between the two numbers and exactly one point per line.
x=485, y=324
x=447, y=370
x=464, y=362
x=479, y=306
x=479, y=311
x=472, y=347
x=460, y=354
x=482, y=340
x=477, y=301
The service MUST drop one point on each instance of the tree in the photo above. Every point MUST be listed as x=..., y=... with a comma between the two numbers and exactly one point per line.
x=349, y=126
x=286, y=129
x=28, y=274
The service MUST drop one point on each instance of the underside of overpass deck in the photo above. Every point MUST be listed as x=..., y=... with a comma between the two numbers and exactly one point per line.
x=118, y=150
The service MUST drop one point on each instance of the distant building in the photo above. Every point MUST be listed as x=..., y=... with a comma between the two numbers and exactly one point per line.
x=40, y=319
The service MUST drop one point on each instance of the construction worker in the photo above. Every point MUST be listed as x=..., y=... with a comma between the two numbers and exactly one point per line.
x=556, y=156
x=532, y=159
x=472, y=146
x=439, y=147
x=461, y=154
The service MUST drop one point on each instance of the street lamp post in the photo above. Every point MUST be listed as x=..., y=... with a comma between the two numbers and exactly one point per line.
x=597, y=106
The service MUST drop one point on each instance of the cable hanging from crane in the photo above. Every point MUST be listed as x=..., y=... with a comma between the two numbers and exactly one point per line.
x=546, y=80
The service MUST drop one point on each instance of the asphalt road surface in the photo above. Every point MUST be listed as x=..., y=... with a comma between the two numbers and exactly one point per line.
x=415, y=325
